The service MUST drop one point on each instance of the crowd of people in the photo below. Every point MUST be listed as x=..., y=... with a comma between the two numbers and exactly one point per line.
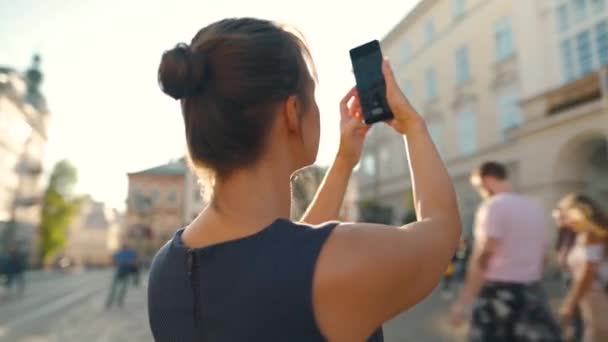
x=502, y=296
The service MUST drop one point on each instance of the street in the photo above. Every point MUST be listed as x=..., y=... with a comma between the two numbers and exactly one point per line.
x=70, y=308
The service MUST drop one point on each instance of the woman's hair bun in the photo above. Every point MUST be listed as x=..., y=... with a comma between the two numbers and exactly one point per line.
x=180, y=74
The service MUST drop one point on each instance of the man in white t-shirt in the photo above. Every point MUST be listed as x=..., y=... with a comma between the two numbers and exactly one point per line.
x=502, y=285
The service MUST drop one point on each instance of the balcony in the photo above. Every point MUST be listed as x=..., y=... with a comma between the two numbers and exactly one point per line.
x=573, y=94
x=27, y=201
x=30, y=167
x=576, y=98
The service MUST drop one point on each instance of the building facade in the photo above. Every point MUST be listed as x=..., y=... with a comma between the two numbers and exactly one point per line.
x=155, y=205
x=160, y=200
x=304, y=186
x=194, y=196
x=480, y=72
x=23, y=135
x=93, y=235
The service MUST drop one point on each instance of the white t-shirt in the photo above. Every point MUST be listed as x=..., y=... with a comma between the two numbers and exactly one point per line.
x=582, y=253
x=521, y=228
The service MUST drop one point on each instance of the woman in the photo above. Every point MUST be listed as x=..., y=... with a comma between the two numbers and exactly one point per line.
x=587, y=262
x=242, y=271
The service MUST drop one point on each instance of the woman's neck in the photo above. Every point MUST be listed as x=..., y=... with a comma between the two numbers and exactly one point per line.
x=243, y=204
x=260, y=193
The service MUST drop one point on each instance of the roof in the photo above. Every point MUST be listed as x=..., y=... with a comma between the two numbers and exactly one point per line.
x=173, y=168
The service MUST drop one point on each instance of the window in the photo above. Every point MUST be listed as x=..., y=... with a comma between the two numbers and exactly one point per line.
x=598, y=6
x=196, y=194
x=405, y=52
x=429, y=31
x=431, y=84
x=369, y=165
x=504, y=39
x=509, y=111
x=436, y=134
x=462, y=65
x=601, y=35
x=154, y=196
x=568, y=61
x=467, y=132
x=172, y=197
x=585, y=56
x=384, y=156
x=562, y=17
x=579, y=10
x=458, y=8
x=133, y=191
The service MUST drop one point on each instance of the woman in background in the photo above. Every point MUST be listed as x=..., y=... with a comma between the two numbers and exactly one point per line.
x=587, y=262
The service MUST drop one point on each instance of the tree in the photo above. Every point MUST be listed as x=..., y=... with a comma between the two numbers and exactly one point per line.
x=59, y=206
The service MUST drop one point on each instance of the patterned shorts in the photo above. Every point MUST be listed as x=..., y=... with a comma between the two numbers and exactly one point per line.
x=508, y=312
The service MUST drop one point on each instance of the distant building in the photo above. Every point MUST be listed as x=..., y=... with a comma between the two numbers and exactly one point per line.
x=194, y=199
x=515, y=81
x=304, y=186
x=94, y=234
x=24, y=120
x=161, y=200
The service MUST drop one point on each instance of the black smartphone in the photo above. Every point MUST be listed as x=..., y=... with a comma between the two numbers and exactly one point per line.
x=367, y=66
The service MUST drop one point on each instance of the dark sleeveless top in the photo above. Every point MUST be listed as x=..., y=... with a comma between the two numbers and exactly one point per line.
x=253, y=289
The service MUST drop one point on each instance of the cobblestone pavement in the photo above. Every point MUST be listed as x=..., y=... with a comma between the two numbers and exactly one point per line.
x=70, y=308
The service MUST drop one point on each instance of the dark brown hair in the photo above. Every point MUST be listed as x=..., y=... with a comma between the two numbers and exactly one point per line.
x=588, y=207
x=230, y=80
x=492, y=169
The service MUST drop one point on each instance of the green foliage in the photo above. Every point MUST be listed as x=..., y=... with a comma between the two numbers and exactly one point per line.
x=59, y=208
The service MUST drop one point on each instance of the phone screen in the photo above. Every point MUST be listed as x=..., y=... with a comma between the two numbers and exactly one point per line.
x=367, y=67
x=368, y=70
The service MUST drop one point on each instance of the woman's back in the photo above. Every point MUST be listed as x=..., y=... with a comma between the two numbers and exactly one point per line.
x=247, y=95
x=256, y=288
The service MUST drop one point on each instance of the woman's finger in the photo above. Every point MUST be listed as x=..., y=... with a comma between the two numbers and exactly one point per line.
x=346, y=99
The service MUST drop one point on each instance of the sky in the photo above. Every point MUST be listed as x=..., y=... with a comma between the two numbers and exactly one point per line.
x=100, y=58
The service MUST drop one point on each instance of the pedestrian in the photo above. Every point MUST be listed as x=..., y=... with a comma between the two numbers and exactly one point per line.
x=242, y=270
x=588, y=265
x=15, y=271
x=502, y=290
x=566, y=239
x=124, y=261
x=448, y=277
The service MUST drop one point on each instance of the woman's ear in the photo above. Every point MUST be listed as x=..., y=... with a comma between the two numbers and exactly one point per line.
x=290, y=111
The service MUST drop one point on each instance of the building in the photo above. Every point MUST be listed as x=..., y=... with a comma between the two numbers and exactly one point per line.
x=194, y=199
x=24, y=120
x=490, y=77
x=562, y=144
x=161, y=200
x=94, y=234
x=155, y=203
x=304, y=186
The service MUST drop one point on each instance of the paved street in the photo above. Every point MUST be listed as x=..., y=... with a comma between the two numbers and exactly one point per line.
x=70, y=308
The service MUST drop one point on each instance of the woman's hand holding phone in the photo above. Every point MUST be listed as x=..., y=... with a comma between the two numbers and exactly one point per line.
x=352, y=129
x=405, y=116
